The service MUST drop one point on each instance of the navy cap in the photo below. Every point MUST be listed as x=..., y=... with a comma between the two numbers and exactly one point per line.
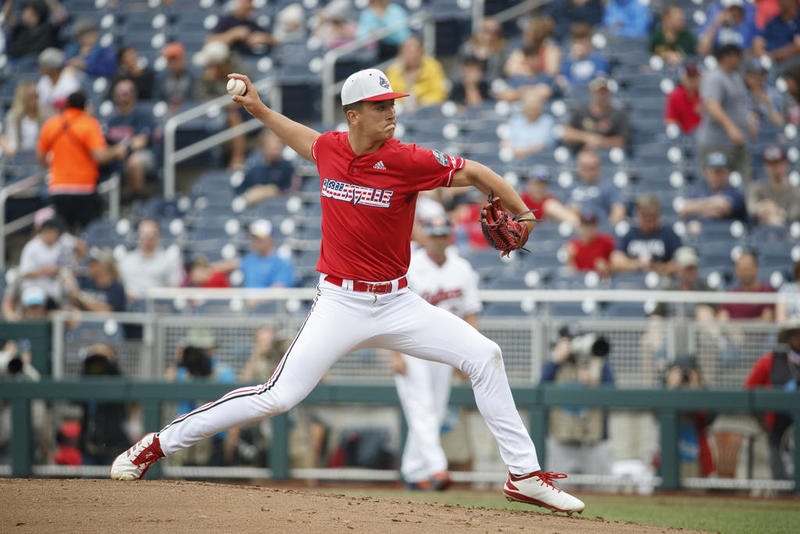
x=539, y=172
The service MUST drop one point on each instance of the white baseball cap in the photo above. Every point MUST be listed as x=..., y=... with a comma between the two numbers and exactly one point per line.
x=368, y=84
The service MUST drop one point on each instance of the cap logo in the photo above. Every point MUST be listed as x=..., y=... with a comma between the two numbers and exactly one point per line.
x=383, y=82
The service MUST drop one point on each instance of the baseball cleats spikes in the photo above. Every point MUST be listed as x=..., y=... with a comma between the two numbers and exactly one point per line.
x=537, y=488
x=134, y=463
x=441, y=481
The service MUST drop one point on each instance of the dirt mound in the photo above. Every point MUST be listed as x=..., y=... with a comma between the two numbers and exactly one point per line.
x=108, y=507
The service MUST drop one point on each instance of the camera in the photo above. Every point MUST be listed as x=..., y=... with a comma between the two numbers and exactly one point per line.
x=99, y=365
x=587, y=346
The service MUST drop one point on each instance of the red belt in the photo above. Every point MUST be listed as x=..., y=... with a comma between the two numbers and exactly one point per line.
x=368, y=287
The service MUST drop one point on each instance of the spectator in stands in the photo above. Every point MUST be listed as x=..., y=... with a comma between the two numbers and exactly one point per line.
x=418, y=74
x=780, y=38
x=23, y=121
x=56, y=83
x=195, y=362
x=471, y=88
x=218, y=61
x=728, y=26
x=591, y=250
x=568, y=12
x=290, y=24
x=545, y=205
x=745, y=270
x=538, y=53
x=583, y=63
x=590, y=195
x=599, y=124
x=789, y=310
x=779, y=368
x=37, y=28
x=489, y=46
x=42, y=261
x=103, y=424
x=175, y=84
x=791, y=101
x=131, y=67
x=380, y=15
x=73, y=146
x=29, y=304
x=763, y=99
x=528, y=78
x=649, y=246
x=725, y=114
x=332, y=24
x=240, y=32
x=686, y=279
x=133, y=128
x=149, y=265
x=200, y=274
x=683, y=105
x=626, y=18
x=671, y=40
x=100, y=290
x=262, y=266
x=272, y=175
x=531, y=131
x=773, y=200
x=87, y=54
x=577, y=436
x=714, y=197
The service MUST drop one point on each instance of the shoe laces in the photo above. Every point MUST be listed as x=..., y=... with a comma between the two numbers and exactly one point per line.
x=139, y=451
x=547, y=477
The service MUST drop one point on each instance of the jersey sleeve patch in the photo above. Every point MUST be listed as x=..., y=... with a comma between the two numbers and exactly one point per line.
x=441, y=158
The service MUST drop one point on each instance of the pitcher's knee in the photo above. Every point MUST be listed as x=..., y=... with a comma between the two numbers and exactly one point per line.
x=278, y=403
x=489, y=356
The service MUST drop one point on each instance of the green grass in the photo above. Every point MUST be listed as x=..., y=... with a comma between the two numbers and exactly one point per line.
x=728, y=515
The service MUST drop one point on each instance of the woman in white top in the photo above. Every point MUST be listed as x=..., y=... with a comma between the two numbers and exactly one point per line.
x=23, y=120
x=790, y=309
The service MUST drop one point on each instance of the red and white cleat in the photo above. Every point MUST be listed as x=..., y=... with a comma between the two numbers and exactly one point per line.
x=537, y=488
x=134, y=463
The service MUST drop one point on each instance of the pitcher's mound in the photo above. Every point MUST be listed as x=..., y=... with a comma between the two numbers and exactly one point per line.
x=110, y=507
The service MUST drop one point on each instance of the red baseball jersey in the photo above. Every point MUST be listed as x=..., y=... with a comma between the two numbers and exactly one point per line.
x=368, y=203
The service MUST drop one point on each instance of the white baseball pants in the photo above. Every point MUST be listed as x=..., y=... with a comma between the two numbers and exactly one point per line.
x=342, y=321
x=424, y=390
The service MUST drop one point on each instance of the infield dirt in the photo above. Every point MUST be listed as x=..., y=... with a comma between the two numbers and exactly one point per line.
x=110, y=507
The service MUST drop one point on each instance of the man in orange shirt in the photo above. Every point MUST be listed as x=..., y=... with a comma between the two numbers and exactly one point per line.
x=73, y=146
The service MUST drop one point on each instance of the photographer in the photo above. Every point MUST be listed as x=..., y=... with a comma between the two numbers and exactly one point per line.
x=15, y=364
x=102, y=427
x=693, y=448
x=577, y=436
x=195, y=362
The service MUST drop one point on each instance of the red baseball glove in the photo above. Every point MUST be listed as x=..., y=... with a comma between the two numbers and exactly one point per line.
x=502, y=231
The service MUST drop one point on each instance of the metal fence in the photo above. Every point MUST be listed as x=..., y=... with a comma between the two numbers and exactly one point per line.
x=147, y=343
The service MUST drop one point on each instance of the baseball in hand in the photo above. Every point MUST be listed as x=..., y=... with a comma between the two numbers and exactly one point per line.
x=236, y=87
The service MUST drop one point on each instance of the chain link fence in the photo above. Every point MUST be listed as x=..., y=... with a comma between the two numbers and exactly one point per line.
x=640, y=350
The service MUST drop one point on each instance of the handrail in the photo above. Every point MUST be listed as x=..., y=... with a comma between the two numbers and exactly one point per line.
x=519, y=9
x=496, y=295
x=5, y=193
x=330, y=87
x=173, y=157
x=111, y=187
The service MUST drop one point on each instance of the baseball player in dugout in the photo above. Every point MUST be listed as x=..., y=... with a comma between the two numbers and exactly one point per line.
x=447, y=281
x=369, y=184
